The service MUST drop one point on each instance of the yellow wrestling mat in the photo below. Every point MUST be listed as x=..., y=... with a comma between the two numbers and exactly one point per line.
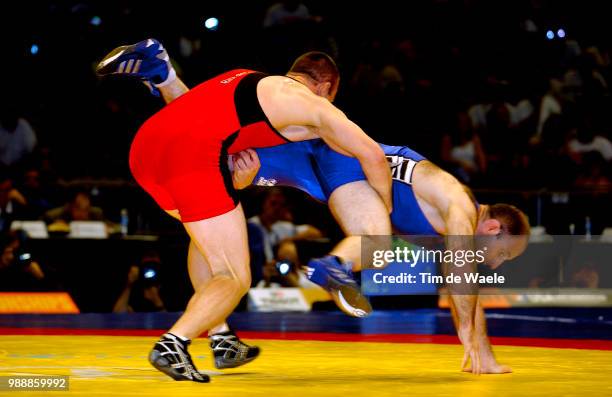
x=117, y=366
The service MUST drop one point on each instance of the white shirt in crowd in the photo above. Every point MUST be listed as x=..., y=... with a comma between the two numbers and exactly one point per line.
x=465, y=153
x=278, y=232
x=14, y=145
x=518, y=113
x=277, y=14
x=599, y=144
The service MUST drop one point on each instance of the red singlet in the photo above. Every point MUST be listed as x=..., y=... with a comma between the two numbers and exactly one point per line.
x=179, y=155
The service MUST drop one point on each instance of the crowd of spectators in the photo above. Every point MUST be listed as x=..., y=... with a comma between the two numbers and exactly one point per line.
x=488, y=94
x=512, y=96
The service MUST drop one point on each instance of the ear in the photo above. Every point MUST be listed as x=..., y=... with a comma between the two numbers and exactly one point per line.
x=491, y=227
x=324, y=89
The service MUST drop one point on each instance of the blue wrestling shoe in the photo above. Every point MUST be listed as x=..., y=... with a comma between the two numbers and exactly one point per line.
x=146, y=60
x=330, y=273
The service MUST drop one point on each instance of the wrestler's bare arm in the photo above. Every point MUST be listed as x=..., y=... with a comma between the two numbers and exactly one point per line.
x=293, y=104
x=459, y=216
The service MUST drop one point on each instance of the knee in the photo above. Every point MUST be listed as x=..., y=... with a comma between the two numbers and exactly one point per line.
x=368, y=226
x=239, y=284
x=244, y=282
x=376, y=227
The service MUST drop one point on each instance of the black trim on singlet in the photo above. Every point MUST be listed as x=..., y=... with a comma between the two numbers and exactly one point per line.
x=248, y=109
x=225, y=171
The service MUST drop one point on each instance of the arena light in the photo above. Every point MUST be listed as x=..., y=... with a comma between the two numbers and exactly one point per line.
x=550, y=35
x=211, y=23
x=95, y=21
x=34, y=49
x=561, y=33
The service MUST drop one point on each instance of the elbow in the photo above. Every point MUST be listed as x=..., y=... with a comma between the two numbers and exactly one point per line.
x=375, y=157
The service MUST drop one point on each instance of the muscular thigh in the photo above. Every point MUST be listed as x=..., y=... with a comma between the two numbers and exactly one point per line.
x=359, y=209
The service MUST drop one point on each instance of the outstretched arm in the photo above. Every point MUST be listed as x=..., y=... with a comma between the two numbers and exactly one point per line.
x=488, y=363
x=464, y=297
x=444, y=193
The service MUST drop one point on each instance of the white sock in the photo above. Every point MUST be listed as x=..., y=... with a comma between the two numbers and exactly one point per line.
x=220, y=330
x=180, y=337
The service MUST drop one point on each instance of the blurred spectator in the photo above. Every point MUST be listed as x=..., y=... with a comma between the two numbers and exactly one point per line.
x=505, y=138
x=272, y=234
x=141, y=291
x=585, y=277
x=35, y=193
x=594, y=173
x=18, y=271
x=584, y=78
x=286, y=12
x=549, y=163
x=12, y=203
x=17, y=138
x=78, y=208
x=463, y=152
x=286, y=270
x=550, y=105
x=496, y=107
x=587, y=141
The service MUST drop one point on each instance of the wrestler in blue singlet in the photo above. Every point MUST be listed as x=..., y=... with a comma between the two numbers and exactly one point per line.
x=318, y=170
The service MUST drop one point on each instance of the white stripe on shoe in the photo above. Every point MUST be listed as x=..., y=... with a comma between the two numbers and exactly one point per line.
x=136, y=67
x=356, y=312
x=128, y=67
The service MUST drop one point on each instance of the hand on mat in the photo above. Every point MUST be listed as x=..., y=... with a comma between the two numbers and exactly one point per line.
x=471, y=350
x=488, y=364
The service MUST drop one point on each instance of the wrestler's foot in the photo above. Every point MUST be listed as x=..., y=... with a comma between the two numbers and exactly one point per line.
x=170, y=356
x=146, y=60
x=230, y=352
x=329, y=273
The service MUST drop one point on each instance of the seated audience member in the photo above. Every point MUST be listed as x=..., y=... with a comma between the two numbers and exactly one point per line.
x=13, y=204
x=35, y=193
x=594, y=173
x=585, y=277
x=78, y=208
x=17, y=138
x=272, y=233
x=587, y=141
x=285, y=270
x=141, y=291
x=286, y=12
x=463, y=152
x=18, y=270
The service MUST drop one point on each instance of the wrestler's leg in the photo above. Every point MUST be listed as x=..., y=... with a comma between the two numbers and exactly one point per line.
x=360, y=212
x=222, y=241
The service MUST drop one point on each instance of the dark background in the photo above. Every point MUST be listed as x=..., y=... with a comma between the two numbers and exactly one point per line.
x=449, y=56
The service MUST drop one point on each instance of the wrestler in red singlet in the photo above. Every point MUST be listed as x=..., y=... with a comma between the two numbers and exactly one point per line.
x=179, y=155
